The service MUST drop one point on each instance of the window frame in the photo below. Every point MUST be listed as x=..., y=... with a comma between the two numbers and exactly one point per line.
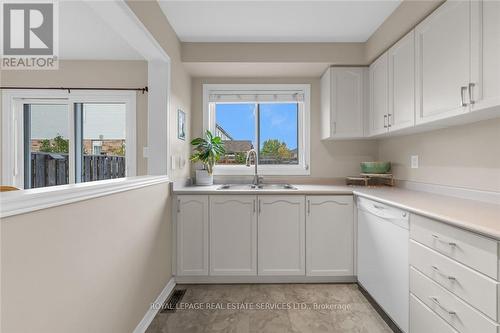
x=13, y=126
x=300, y=169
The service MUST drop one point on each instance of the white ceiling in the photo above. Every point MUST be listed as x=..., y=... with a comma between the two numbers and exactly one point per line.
x=277, y=21
x=85, y=35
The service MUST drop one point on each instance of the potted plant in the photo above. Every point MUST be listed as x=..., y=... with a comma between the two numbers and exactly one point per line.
x=208, y=151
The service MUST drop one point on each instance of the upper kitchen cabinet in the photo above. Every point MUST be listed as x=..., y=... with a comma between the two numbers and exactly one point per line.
x=379, y=95
x=402, y=84
x=343, y=91
x=443, y=66
x=485, y=90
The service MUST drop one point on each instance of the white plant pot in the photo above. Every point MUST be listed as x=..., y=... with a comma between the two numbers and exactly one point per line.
x=204, y=178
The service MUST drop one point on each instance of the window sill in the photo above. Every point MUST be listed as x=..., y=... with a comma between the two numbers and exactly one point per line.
x=25, y=201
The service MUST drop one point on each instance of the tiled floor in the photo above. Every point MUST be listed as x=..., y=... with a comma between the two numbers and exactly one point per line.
x=288, y=308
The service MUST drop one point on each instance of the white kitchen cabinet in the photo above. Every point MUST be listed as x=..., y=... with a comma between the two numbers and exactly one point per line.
x=329, y=236
x=485, y=89
x=281, y=235
x=379, y=95
x=343, y=102
x=443, y=61
x=233, y=235
x=402, y=83
x=192, y=234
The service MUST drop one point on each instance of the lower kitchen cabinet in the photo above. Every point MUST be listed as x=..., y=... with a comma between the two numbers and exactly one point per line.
x=281, y=235
x=330, y=236
x=233, y=235
x=192, y=234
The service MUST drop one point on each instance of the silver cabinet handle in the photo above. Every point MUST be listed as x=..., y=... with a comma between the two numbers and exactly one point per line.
x=385, y=120
x=389, y=116
x=436, y=301
x=308, y=207
x=178, y=205
x=260, y=206
x=463, y=90
x=378, y=207
x=471, y=93
x=436, y=237
x=334, y=127
x=254, y=205
x=449, y=277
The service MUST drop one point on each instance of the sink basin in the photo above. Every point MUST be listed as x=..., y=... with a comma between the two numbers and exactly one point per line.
x=249, y=187
x=237, y=187
x=277, y=187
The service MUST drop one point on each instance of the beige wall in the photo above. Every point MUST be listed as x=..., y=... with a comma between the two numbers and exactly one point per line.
x=464, y=156
x=94, y=73
x=151, y=15
x=404, y=18
x=328, y=158
x=90, y=266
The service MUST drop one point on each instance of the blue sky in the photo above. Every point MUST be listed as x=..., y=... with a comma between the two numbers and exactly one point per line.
x=278, y=121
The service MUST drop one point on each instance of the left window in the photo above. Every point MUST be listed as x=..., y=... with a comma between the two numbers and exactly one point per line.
x=56, y=138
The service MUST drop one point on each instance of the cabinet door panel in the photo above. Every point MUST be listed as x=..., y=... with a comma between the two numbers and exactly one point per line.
x=443, y=62
x=347, y=101
x=379, y=107
x=402, y=83
x=233, y=235
x=485, y=51
x=281, y=235
x=329, y=236
x=192, y=235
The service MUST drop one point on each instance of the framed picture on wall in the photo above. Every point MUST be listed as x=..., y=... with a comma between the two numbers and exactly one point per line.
x=181, y=124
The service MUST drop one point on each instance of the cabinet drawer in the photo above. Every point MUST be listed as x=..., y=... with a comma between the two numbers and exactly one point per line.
x=454, y=311
x=475, y=251
x=424, y=320
x=473, y=287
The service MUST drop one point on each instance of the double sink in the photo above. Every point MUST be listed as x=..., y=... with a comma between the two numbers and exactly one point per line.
x=244, y=187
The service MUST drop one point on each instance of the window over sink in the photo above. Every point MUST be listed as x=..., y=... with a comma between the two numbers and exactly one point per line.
x=272, y=119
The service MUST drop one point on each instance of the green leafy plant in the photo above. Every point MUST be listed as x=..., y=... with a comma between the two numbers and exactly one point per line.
x=56, y=145
x=208, y=150
x=273, y=148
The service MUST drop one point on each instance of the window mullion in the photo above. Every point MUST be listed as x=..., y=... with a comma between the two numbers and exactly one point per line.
x=257, y=135
x=71, y=144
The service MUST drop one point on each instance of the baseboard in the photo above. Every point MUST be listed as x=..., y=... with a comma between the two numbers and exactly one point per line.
x=392, y=325
x=263, y=279
x=153, y=310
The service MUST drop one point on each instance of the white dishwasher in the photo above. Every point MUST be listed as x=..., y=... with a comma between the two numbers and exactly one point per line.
x=383, y=271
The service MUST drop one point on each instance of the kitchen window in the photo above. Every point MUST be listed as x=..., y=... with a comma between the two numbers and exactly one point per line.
x=58, y=137
x=272, y=119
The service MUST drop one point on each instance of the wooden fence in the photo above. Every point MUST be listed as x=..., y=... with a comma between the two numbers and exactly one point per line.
x=49, y=169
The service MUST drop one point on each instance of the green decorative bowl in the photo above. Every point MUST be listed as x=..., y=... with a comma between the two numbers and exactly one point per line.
x=375, y=167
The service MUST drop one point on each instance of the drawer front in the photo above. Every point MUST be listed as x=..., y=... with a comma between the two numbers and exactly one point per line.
x=455, y=312
x=473, y=287
x=472, y=250
x=424, y=320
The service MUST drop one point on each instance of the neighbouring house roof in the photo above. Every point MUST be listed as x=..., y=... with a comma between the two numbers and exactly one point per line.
x=237, y=146
x=222, y=133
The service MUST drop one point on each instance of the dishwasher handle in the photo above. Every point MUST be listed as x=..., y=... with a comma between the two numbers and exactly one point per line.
x=382, y=211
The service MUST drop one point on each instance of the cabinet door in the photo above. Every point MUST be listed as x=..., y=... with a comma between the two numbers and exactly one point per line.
x=233, y=235
x=443, y=62
x=485, y=39
x=329, y=236
x=281, y=235
x=379, y=97
x=347, y=102
x=192, y=235
x=402, y=83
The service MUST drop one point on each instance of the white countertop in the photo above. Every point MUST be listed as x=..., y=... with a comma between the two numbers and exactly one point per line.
x=301, y=189
x=476, y=216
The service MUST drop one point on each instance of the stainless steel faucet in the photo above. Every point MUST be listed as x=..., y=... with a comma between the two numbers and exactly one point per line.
x=256, y=179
